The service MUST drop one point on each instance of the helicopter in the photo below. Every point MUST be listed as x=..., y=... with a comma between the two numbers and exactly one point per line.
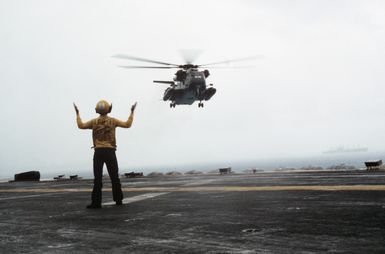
x=189, y=83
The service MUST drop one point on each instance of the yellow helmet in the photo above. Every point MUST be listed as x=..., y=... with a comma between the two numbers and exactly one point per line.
x=103, y=108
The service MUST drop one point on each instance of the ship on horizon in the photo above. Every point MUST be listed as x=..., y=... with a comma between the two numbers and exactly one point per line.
x=343, y=149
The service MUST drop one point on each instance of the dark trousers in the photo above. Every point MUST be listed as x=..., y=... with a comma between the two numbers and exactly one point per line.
x=108, y=156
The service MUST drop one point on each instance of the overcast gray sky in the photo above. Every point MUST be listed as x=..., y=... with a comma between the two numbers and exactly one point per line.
x=321, y=84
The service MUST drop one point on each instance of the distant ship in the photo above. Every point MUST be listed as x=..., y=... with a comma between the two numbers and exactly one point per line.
x=342, y=149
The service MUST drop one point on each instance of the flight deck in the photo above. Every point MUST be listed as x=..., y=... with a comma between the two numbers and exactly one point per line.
x=280, y=212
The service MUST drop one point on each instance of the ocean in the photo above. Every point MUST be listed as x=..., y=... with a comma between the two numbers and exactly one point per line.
x=268, y=164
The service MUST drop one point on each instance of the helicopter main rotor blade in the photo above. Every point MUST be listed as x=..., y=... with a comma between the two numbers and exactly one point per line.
x=233, y=60
x=142, y=59
x=232, y=67
x=147, y=67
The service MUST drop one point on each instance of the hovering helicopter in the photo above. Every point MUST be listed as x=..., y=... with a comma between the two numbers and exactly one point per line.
x=189, y=83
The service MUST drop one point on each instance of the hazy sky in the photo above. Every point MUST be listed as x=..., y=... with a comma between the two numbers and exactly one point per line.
x=321, y=84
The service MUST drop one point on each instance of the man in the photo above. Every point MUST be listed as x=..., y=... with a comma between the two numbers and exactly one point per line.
x=103, y=135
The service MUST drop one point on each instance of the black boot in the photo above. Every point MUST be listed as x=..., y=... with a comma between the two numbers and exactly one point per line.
x=119, y=203
x=94, y=206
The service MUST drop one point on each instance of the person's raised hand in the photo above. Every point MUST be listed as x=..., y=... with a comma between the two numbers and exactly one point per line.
x=133, y=107
x=76, y=109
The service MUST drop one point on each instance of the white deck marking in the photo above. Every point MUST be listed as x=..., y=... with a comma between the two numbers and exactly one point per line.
x=29, y=196
x=138, y=198
x=200, y=182
x=156, y=194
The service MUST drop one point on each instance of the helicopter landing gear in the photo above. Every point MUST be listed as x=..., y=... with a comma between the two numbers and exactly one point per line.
x=200, y=105
x=172, y=105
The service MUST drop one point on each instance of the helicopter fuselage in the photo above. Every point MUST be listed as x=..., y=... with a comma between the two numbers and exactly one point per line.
x=188, y=86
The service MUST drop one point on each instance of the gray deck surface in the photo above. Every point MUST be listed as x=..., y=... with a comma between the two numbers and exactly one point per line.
x=297, y=212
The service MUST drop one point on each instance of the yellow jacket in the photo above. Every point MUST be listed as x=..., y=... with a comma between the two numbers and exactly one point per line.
x=103, y=129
